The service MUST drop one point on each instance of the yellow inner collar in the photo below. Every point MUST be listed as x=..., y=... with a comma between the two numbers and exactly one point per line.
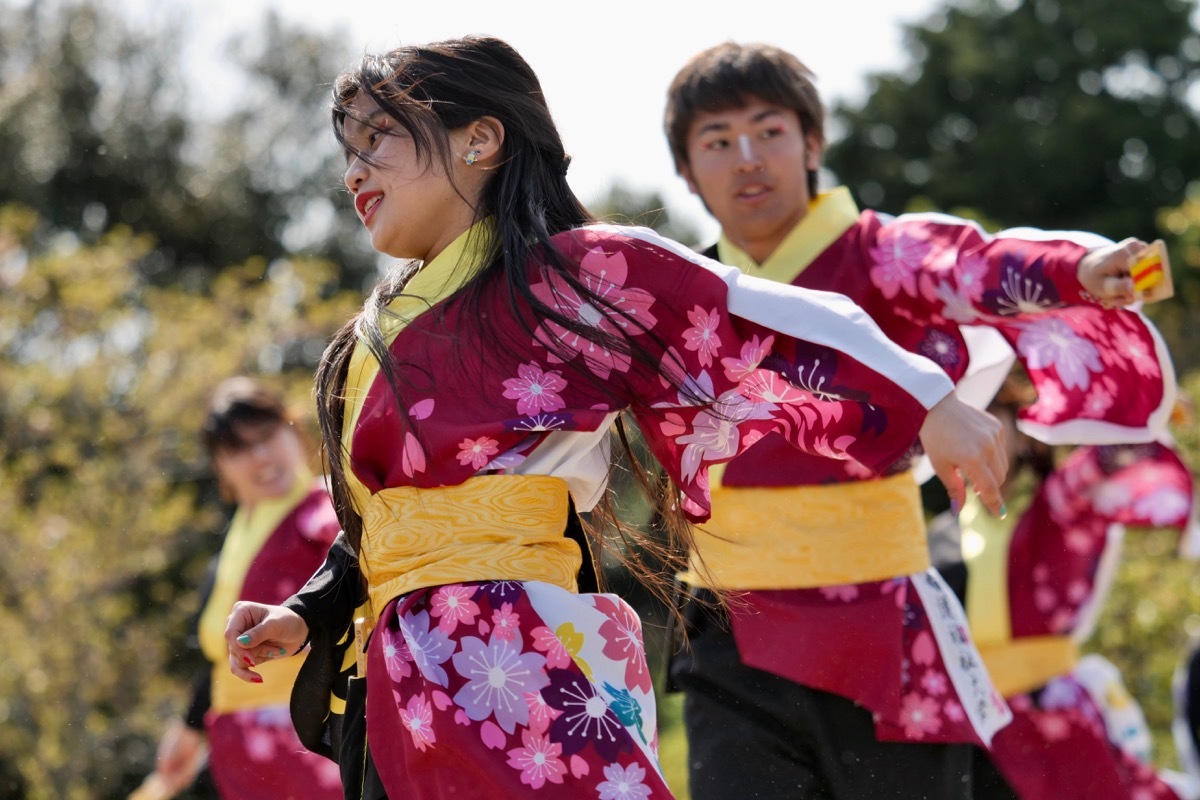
x=829, y=216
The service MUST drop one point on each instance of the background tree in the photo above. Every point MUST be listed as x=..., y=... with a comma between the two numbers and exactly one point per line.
x=1069, y=114
x=108, y=508
x=97, y=129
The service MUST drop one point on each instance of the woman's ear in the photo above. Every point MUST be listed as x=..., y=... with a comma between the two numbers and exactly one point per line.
x=481, y=141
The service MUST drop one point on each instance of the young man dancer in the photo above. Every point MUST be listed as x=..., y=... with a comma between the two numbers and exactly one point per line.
x=844, y=669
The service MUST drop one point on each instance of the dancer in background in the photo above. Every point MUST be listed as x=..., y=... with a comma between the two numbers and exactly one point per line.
x=1035, y=584
x=280, y=533
x=466, y=412
x=834, y=552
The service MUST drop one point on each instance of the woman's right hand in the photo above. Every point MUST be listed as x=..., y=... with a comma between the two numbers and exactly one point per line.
x=256, y=633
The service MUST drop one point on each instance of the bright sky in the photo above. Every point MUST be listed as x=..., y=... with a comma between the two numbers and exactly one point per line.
x=605, y=66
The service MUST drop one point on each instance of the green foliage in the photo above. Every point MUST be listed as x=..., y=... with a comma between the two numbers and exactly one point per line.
x=109, y=509
x=1067, y=114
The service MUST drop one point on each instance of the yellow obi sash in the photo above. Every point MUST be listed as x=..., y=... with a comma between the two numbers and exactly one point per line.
x=493, y=527
x=1016, y=665
x=1021, y=665
x=798, y=537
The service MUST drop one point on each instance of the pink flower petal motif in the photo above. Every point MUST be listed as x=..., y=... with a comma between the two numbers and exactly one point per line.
x=545, y=641
x=461, y=718
x=702, y=337
x=924, y=651
x=898, y=258
x=422, y=409
x=491, y=735
x=412, y=458
x=477, y=452
x=622, y=634
x=538, y=760
x=753, y=352
x=535, y=390
x=506, y=622
x=920, y=715
x=417, y=717
x=843, y=592
x=441, y=700
x=579, y=767
x=604, y=275
x=452, y=604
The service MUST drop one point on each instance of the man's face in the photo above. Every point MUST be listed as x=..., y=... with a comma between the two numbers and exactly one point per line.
x=750, y=167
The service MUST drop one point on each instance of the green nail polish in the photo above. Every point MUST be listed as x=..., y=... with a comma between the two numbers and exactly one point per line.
x=1003, y=511
x=283, y=651
x=244, y=639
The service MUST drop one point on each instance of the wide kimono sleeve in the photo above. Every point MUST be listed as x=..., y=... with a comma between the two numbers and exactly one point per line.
x=1143, y=485
x=1103, y=376
x=1065, y=550
x=748, y=357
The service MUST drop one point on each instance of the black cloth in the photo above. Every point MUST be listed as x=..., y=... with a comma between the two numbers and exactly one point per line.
x=753, y=735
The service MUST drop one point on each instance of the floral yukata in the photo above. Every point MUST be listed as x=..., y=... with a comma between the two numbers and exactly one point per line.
x=267, y=555
x=1035, y=586
x=940, y=287
x=487, y=674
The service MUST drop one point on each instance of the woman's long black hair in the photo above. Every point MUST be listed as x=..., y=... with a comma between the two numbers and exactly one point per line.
x=430, y=90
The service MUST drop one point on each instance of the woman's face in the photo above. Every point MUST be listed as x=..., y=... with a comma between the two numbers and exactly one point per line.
x=265, y=468
x=409, y=207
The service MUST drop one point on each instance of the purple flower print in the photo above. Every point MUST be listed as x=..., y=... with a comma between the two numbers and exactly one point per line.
x=498, y=677
x=586, y=717
x=1023, y=290
x=1049, y=342
x=429, y=648
x=623, y=783
x=941, y=348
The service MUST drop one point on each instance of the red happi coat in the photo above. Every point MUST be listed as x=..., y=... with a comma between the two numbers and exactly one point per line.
x=254, y=751
x=1079, y=736
x=933, y=283
x=502, y=686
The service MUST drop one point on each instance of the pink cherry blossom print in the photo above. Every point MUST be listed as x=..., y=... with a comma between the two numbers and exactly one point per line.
x=417, y=717
x=453, y=604
x=535, y=390
x=537, y=760
x=919, y=716
x=702, y=338
x=898, y=258
x=477, y=452
x=753, y=352
x=624, y=311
